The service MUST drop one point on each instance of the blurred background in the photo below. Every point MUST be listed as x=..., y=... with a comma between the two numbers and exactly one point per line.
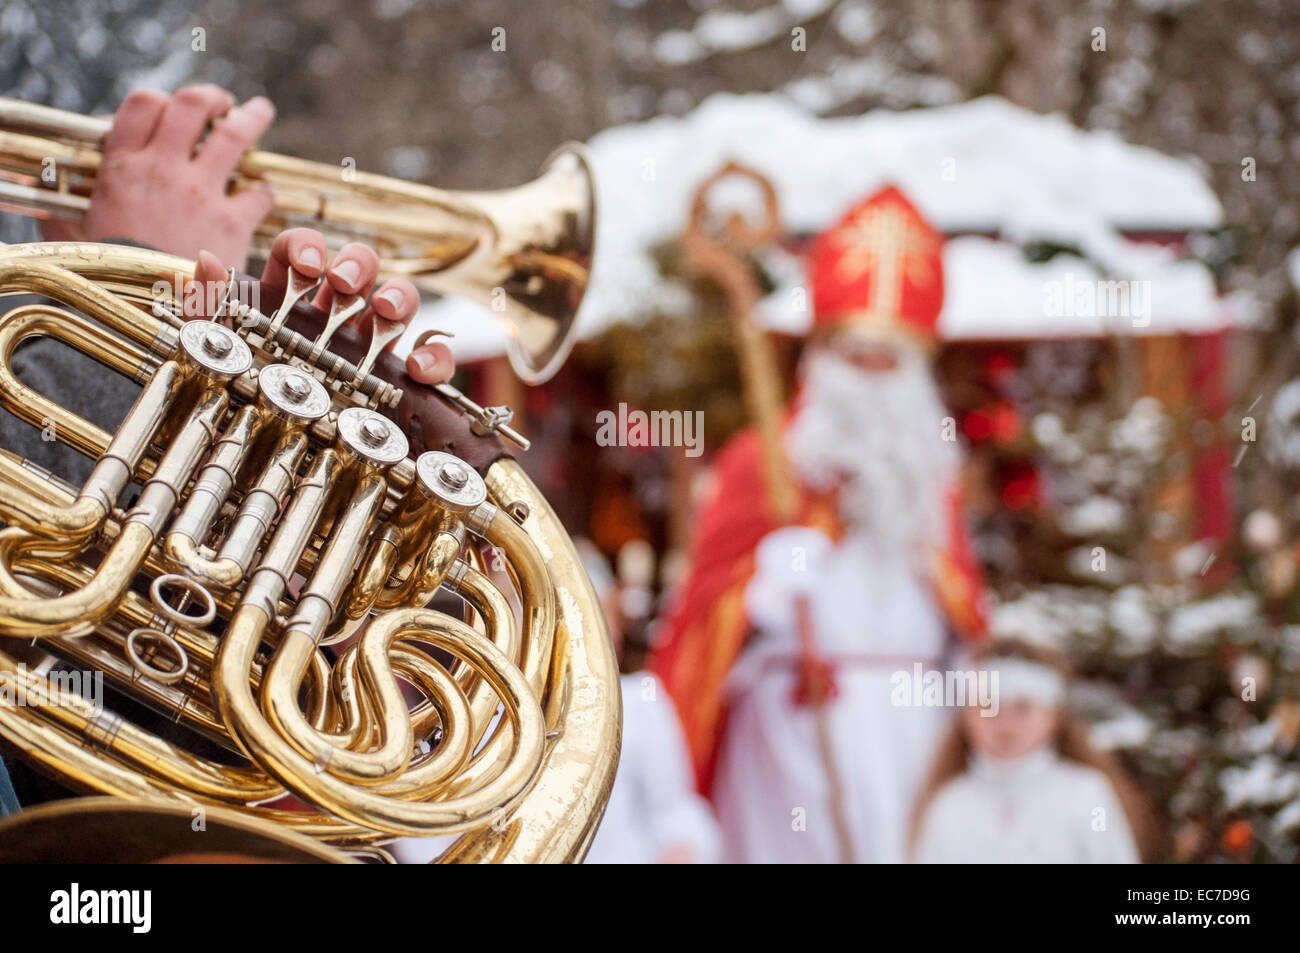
x=1132, y=486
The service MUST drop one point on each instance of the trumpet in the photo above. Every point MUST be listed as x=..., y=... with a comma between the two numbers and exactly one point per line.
x=523, y=252
x=257, y=551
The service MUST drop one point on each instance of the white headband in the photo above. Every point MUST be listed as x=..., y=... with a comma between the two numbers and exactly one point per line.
x=1022, y=680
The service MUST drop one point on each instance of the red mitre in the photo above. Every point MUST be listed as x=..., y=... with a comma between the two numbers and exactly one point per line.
x=879, y=271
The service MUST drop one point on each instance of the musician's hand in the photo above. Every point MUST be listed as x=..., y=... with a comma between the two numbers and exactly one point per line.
x=154, y=188
x=353, y=271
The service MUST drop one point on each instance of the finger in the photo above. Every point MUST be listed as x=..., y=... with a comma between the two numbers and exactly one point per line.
x=135, y=121
x=431, y=364
x=395, y=303
x=233, y=135
x=353, y=271
x=303, y=248
x=210, y=277
x=186, y=117
x=396, y=300
x=208, y=267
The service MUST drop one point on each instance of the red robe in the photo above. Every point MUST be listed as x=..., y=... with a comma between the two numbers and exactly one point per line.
x=707, y=630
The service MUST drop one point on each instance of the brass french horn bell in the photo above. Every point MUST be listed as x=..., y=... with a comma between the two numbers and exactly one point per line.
x=525, y=252
x=109, y=830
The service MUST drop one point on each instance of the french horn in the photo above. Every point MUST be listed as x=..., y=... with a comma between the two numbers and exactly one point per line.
x=288, y=548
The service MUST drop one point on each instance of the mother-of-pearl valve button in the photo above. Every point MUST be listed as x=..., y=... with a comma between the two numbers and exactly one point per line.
x=293, y=393
x=215, y=349
x=372, y=437
x=450, y=480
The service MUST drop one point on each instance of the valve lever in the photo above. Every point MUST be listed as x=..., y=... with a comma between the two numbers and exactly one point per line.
x=382, y=333
x=223, y=308
x=341, y=308
x=299, y=285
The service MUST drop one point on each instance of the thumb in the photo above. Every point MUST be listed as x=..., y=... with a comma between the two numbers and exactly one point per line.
x=210, y=282
x=208, y=267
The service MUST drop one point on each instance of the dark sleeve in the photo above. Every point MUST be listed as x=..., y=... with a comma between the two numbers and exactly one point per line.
x=8, y=799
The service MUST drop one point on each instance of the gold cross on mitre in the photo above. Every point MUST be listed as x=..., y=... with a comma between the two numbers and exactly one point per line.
x=885, y=239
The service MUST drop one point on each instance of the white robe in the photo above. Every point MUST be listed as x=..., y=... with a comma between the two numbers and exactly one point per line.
x=653, y=806
x=1040, y=809
x=872, y=616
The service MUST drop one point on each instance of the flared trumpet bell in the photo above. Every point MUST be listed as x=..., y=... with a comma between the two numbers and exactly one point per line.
x=535, y=273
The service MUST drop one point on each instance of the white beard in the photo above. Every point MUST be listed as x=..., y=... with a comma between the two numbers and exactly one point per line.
x=876, y=438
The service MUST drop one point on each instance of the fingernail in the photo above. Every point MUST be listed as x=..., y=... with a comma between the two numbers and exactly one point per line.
x=347, y=271
x=426, y=362
x=310, y=257
x=393, y=297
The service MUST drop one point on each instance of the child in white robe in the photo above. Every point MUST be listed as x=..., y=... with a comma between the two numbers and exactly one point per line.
x=654, y=814
x=1017, y=783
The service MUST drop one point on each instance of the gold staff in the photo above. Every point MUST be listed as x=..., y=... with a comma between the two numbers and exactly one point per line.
x=723, y=258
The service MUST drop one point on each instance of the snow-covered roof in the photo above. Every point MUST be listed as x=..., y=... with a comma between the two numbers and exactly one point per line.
x=992, y=292
x=982, y=166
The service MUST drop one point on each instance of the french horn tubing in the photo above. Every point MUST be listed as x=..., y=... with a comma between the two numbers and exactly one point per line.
x=258, y=548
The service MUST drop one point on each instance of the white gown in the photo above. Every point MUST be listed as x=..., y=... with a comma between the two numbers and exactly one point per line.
x=872, y=616
x=1041, y=809
x=653, y=806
